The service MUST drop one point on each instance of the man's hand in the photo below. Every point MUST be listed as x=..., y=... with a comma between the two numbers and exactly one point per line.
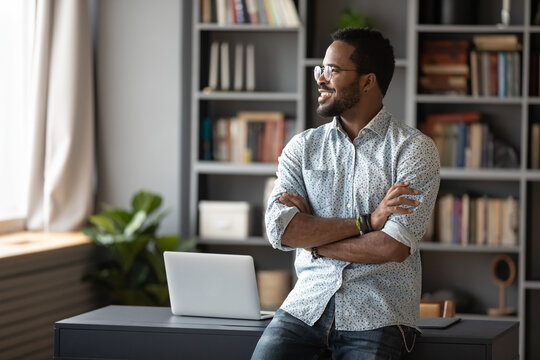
x=296, y=200
x=390, y=204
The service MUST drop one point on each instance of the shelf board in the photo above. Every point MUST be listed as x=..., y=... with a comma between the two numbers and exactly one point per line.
x=533, y=175
x=435, y=246
x=248, y=96
x=486, y=317
x=480, y=174
x=532, y=285
x=401, y=62
x=470, y=28
x=467, y=99
x=245, y=27
x=534, y=29
x=214, y=167
x=250, y=241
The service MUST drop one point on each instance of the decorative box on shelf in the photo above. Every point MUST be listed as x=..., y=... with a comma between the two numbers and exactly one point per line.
x=224, y=220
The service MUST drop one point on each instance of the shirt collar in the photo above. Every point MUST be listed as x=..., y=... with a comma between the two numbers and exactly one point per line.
x=379, y=123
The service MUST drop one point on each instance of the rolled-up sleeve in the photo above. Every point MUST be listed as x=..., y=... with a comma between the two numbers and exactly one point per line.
x=418, y=163
x=289, y=180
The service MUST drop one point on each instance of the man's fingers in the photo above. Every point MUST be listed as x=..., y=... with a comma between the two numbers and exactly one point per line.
x=403, y=201
x=285, y=200
x=398, y=210
x=401, y=190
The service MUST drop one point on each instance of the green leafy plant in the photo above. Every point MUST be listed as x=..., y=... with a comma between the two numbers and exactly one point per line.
x=352, y=17
x=130, y=267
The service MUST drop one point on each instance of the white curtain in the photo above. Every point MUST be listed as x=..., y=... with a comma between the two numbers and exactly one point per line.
x=61, y=117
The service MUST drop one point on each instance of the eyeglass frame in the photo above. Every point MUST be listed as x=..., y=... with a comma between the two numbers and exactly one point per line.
x=322, y=69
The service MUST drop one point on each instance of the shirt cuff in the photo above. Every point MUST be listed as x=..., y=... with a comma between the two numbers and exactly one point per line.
x=285, y=218
x=400, y=233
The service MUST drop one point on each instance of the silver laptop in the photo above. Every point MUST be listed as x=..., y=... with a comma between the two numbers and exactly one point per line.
x=213, y=285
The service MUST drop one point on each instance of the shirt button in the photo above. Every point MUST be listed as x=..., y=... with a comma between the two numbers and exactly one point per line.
x=350, y=176
x=363, y=132
x=349, y=205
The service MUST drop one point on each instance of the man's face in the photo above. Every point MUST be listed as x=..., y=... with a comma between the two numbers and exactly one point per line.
x=343, y=90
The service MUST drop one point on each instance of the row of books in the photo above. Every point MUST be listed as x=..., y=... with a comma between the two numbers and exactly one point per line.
x=464, y=220
x=495, y=73
x=251, y=136
x=461, y=139
x=219, y=72
x=491, y=65
x=266, y=12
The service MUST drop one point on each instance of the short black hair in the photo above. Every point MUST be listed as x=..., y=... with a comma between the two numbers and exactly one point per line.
x=373, y=53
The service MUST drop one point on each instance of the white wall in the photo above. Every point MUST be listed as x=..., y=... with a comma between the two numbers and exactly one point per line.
x=139, y=141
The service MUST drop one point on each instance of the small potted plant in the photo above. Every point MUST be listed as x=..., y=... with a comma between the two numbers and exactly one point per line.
x=129, y=266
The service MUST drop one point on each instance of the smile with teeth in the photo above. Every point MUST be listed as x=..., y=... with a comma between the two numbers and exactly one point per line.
x=324, y=94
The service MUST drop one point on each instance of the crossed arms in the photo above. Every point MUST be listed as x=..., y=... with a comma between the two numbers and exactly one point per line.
x=339, y=238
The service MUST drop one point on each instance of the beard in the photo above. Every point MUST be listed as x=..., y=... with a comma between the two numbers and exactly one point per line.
x=337, y=105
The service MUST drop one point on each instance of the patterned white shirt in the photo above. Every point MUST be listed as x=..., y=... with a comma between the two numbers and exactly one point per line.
x=343, y=179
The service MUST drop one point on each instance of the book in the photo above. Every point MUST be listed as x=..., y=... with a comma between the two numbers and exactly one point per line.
x=290, y=13
x=447, y=84
x=535, y=146
x=484, y=73
x=496, y=42
x=502, y=86
x=250, y=67
x=239, y=67
x=222, y=140
x=206, y=139
x=475, y=74
x=493, y=74
x=253, y=11
x=225, y=67
x=206, y=11
x=476, y=145
x=450, y=118
x=222, y=12
x=213, y=70
x=481, y=220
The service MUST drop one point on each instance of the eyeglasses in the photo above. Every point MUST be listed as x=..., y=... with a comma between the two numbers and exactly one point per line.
x=327, y=71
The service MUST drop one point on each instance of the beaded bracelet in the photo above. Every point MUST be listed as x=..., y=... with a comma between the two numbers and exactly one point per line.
x=314, y=253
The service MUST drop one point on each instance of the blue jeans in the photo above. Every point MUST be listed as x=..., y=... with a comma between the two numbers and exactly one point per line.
x=286, y=338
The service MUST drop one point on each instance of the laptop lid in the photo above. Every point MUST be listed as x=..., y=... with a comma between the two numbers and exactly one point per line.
x=212, y=285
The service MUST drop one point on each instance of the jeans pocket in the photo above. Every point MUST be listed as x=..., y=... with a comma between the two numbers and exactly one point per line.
x=409, y=335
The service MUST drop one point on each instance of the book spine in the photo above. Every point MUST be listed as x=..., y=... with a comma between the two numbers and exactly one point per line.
x=225, y=67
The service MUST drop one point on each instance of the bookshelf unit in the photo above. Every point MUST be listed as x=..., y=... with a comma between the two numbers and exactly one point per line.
x=292, y=90
x=510, y=119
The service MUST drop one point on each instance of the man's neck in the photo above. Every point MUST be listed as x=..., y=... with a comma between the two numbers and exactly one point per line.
x=354, y=120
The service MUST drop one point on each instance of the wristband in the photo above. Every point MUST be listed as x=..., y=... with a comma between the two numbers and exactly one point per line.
x=363, y=223
x=368, y=222
x=359, y=224
x=314, y=253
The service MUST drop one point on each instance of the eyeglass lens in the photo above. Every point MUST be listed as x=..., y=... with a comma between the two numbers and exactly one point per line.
x=320, y=70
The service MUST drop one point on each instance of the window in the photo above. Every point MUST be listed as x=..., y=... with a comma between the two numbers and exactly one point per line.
x=16, y=30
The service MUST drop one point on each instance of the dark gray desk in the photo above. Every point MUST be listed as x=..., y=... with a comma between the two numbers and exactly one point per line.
x=133, y=332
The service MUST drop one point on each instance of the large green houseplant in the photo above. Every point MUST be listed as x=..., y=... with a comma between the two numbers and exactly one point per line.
x=130, y=266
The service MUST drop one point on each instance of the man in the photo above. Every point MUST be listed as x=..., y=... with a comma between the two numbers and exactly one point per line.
x=358, y=289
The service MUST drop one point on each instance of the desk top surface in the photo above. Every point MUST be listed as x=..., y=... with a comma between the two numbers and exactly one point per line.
x=483, y=331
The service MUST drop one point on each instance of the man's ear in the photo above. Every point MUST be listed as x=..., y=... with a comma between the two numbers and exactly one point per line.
x=369, y=81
